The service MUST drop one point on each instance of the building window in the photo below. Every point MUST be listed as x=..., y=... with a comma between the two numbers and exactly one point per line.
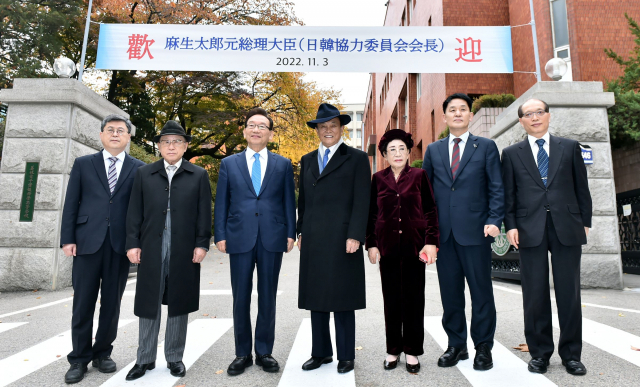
x=359, y=116
x=560, y=30
x=418, y=86
x=409, y=13
x=358, y=133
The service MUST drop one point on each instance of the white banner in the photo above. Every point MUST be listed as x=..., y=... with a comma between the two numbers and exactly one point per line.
x=305, y=49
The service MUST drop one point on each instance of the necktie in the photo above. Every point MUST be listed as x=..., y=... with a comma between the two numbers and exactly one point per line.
x=171, y=171
x=256, y=173
x=325, y=159
x=112, y=176
x=455, y=157
x=543, y=161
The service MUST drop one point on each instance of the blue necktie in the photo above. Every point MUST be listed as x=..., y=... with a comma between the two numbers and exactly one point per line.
x=325, y=159
x=543, y=161
x=255, y=174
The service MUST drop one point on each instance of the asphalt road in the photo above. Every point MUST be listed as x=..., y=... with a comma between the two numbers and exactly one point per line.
x=34, y=339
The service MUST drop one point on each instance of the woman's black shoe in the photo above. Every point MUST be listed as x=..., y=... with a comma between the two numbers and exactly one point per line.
x=413, y=368
x=389, y=365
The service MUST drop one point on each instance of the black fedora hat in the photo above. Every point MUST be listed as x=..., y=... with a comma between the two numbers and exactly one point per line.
x=327, y=112
x=172, y=128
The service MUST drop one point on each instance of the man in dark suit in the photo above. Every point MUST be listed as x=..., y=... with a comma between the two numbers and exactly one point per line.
x=465, y=174
x=548, y=209
x=168, y=235
x=255, y=222
x=93, y=232
x=333, y=206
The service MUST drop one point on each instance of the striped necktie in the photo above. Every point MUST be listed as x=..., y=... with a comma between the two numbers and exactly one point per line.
x=455, y=157
x=256, y=171
x=112, y=176
x=543, y=161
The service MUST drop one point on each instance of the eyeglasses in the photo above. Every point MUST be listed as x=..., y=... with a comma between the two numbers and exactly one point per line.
x=120, y=132
x=539, y=113
x=261, y=127
x=174, y=142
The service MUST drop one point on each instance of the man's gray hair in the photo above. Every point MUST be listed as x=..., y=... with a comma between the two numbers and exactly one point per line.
x=115, y=117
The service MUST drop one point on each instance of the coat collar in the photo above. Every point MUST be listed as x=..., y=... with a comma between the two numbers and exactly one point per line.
x=526, y=157
x=127, y=167
x=98, y=163
x=387, y=175
x=469, y=149
x=555, y=149
x=337, y=159
x=158, y=167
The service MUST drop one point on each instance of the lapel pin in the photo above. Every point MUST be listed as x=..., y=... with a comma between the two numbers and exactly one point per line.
x=475, y=145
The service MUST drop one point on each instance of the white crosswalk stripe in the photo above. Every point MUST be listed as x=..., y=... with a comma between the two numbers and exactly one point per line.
x=507, y=367
x=609, y=339
x=201, y=334
x=42, y=354
x=7, y=326
x=325, y=376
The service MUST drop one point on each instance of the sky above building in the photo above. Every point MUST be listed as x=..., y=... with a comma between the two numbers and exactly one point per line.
x=342, y=13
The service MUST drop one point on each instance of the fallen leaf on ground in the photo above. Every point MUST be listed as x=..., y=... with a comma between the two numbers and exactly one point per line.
x=210, y=283
x=182, y=385
x=35, y=290
x=634, y=348
x=522, y=347
x=358, y=348
x=583, y=305
x=620, y=314
x=26, y=359
x=206, y=314
x=37, y=298
x=57, y=355
x=218, y=372
x=28, y=315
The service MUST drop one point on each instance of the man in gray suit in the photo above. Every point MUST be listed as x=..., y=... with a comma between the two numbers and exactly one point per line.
x=168, y=235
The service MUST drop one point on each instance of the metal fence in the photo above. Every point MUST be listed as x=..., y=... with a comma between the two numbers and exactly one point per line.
x=629, y=230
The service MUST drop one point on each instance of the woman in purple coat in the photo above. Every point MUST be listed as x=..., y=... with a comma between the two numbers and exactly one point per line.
x=403, y=224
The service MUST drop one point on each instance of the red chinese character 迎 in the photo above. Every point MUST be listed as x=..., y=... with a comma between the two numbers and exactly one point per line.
x=139, y=46
x=473, y=50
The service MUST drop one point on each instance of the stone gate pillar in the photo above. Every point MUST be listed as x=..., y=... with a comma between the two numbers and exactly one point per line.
x=579, y=111
x=50, y=122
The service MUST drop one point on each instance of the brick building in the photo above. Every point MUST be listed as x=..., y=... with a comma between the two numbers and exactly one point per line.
x=575, y=30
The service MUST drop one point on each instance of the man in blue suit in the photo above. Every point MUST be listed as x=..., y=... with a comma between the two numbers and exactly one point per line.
x=255, y=222
x=465, y=173
x=93, y=232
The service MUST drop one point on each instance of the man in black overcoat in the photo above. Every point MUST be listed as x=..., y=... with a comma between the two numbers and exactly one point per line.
x=548, y=210
x=168, y=235
x=333, y=206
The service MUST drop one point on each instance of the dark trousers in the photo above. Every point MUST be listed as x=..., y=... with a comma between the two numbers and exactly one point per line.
x=242, y=265
x=345, y=323
x=534, y=266
x=105, y=271
x=403, y=293
x=455, y=263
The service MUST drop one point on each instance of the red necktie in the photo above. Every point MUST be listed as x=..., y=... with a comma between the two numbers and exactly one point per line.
x=455, y=157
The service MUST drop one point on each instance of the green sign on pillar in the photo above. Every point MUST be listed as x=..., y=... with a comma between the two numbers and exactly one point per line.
x=29, y=191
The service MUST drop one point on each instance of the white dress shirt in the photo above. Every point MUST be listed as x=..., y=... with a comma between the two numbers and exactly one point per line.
x=177, y=165
x=264, y=157
x=535, y=148
x=107, y=162
x=464, y=137
x=332, y=150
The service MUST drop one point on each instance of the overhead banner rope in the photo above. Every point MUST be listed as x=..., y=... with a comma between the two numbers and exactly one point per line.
x=305, y=49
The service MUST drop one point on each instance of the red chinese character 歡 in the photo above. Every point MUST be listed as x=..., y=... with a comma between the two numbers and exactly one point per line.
x=139, y=46
x=471, y=47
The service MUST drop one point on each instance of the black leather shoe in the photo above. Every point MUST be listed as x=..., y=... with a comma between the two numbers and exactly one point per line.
x=316, y=362
x=389, y=365
x=76, y=373
x=483, y=360
x=451, y=356
x=538, y=365
x=413, y=368
x=574, y=367
x=238, y=364
x=177, y=368
x=345, y=366
x=138, y=370
x=268, y=363
x=104, y=365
